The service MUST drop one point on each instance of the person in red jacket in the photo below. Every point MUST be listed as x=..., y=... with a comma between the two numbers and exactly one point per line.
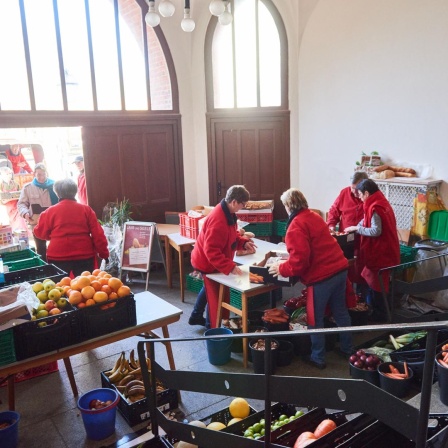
x=217, y=243
x=317, y=259
x=17, y=159
x=76, y=237
x=379, y=246
x=82, y=191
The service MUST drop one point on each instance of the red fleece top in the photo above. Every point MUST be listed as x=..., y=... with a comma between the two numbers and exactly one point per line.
x=82, y=191
x=382, y=251
x=314, y=255
x=73, y=231
x=347, y=210
x=217, y=242
x=15, y=160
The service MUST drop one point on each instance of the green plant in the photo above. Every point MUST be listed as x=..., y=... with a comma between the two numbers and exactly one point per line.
x=117, y=213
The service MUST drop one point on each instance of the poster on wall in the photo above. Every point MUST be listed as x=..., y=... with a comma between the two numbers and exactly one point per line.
x=137, y=243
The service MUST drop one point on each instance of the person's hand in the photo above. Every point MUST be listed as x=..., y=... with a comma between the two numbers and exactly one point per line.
x=236, y=271
x=273, y=269
x=250, y=246
x=331, y=228
x=351, y=229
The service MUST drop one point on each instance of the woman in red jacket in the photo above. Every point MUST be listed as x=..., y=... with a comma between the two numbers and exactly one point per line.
x=217, y=243
x=73, y=230
x=379, y=247
x=316, y=258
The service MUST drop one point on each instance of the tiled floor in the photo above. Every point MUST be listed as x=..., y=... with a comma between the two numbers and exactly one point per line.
x=48, y=409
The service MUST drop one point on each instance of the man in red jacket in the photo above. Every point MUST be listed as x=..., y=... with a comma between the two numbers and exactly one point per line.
x=82, y=191
x=217, y=243
x=17, y=159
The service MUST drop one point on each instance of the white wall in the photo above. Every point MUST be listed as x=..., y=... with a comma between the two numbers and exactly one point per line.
x=372, y=77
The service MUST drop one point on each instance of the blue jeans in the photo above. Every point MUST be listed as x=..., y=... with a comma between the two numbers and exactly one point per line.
x=330, y=292
x=200, y=306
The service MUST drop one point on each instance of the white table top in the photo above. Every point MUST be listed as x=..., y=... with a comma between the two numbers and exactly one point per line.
x=263, y=247
x=180, y=240
x=151, y=308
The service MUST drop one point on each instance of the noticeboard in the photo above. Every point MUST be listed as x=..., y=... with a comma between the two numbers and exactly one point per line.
x=136, y=247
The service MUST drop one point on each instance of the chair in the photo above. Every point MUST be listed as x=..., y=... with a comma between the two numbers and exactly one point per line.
x=172, y=218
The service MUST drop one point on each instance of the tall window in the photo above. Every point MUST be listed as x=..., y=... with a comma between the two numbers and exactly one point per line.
x=81, y=55
x=248, y=57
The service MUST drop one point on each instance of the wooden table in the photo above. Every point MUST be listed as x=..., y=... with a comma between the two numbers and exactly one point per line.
x=164, y=230
x=152, y=313
x=182, y=245
x=240, y=283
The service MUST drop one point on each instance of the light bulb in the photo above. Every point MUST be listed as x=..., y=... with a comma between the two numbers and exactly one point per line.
x=187, y=23
x=166, y=8
x=151, y=18
x=225, y=18
x=217, y=7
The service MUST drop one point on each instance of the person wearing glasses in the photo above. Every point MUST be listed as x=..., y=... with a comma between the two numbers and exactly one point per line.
x=379, y=244
x=217, y=243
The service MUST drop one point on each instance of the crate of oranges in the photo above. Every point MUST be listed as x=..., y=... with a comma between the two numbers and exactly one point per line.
x=103, y=303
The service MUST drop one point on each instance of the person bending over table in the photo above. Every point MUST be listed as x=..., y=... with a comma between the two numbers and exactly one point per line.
x=315, y=257
x=73, y=230
x=217, y=243
x=379, y=246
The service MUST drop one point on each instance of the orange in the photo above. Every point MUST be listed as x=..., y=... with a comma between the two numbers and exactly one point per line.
x=75, y=297
x=83, y=281
x=115, y=283
x=107, y=289
x=81, y=305
x=90, y=302
x=67, y=290
x=85, y=273
x=113, y=295
x=91, y=278
x=239, y=407
x=100, y=296
x=103, y=281
x=96, y=271
x=54, y=311
x=74, y=285
x=123, y=291
x=96, y=285
x=65, y=281
x=106, y=275
x=87, y=292
x=101, y=274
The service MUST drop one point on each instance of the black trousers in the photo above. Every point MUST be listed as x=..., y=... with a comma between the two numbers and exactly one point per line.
x=77, y=267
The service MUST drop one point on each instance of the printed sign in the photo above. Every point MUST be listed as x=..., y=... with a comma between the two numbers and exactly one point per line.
x=137, y=243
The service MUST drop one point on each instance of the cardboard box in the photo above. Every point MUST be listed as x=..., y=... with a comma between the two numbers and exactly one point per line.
x=260, y=269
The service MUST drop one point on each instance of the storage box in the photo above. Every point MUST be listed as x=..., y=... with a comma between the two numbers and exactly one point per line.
x=189, y=226
x=137, y=412
x=194, y=284
x=279, y=227
x=259, y=229
x=253, y=302
x=255, y=216
x=7, y=351
x=107, y=317
x=35, y=274
x=347, y=243
x=268, y=278
x=28, y=374
x=48, y=334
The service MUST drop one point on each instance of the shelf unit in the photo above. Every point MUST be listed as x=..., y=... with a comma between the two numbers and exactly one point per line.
x=401, y=194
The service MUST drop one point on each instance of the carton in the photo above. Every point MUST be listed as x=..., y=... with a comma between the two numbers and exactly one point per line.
x=261, y=269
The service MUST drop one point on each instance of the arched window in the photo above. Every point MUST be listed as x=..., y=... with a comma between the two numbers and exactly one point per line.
x=82, y=55
x=247, y=60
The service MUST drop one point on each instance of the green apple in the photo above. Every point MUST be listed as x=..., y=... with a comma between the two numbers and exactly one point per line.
x=60, y=289
x=61, y=303
x=42, y=296
x=49, y=285
x=54, y=294
x=37, y=287
x=42, y=313
x=40, y=307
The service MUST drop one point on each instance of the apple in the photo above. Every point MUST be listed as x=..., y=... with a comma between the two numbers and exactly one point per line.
x=60, y=289
x=40, y=307
x=49, y=285
x=50, y=304
x=37, y=287
x=61, y=303
x=54, y=294
x=42, y=296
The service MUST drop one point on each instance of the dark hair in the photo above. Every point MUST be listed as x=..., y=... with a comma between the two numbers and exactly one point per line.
x=237, y=193
x=358, y=177
x=65, y=188
x=367, y=185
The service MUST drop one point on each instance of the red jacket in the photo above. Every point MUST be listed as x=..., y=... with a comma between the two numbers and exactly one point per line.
x=347, y=210
x=382, y=251
x=82, y=192
x=73, y=231
x=314, y=255
x=217, y=242
x=15, y=160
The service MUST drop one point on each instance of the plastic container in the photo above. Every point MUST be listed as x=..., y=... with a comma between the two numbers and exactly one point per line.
x=442, y=374
x=399, y=388
x=237, y=344
x=99, y=424
x=371, y=376
x=285, y=353
x=258, y=357
x=218, y=349
x=9, y=437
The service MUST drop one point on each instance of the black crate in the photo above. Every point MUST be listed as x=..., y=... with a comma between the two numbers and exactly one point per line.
x=32, y=338
x=223, y=416
x=138, y=412
x=35, y=274
x=107, y=317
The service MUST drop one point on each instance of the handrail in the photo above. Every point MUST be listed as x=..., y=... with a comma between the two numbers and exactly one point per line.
x=347, y=394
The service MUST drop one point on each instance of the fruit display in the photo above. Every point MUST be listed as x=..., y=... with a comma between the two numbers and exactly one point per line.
x=365, y=361
x=51, y=298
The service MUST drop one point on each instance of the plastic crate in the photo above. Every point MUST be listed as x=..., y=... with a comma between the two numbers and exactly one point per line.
x=194, y=284
x=19, y=255
x=255, y=217
x=35, y=274
x=189, y=226
x=407, y=254
x=137, y=412
x=25, y=264
x=279, y=227
x=260, y=229
x=32, y=339
x=28, y=374
x=189, y=232
x=107, y=317
x=253, y=303
x=7, y=351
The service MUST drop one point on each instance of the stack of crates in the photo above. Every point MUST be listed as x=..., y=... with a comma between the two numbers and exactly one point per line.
x=260, y=221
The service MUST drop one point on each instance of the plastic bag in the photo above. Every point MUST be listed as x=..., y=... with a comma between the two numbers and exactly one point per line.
x=114, y=241
x=27, y=296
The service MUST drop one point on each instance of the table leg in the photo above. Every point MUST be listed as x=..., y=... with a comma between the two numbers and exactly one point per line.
x=169, y=351
x=245, y=327
x=220, y=300
x=169, y=262
x=181, y=272
x=11, y=393
x=71, y=377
